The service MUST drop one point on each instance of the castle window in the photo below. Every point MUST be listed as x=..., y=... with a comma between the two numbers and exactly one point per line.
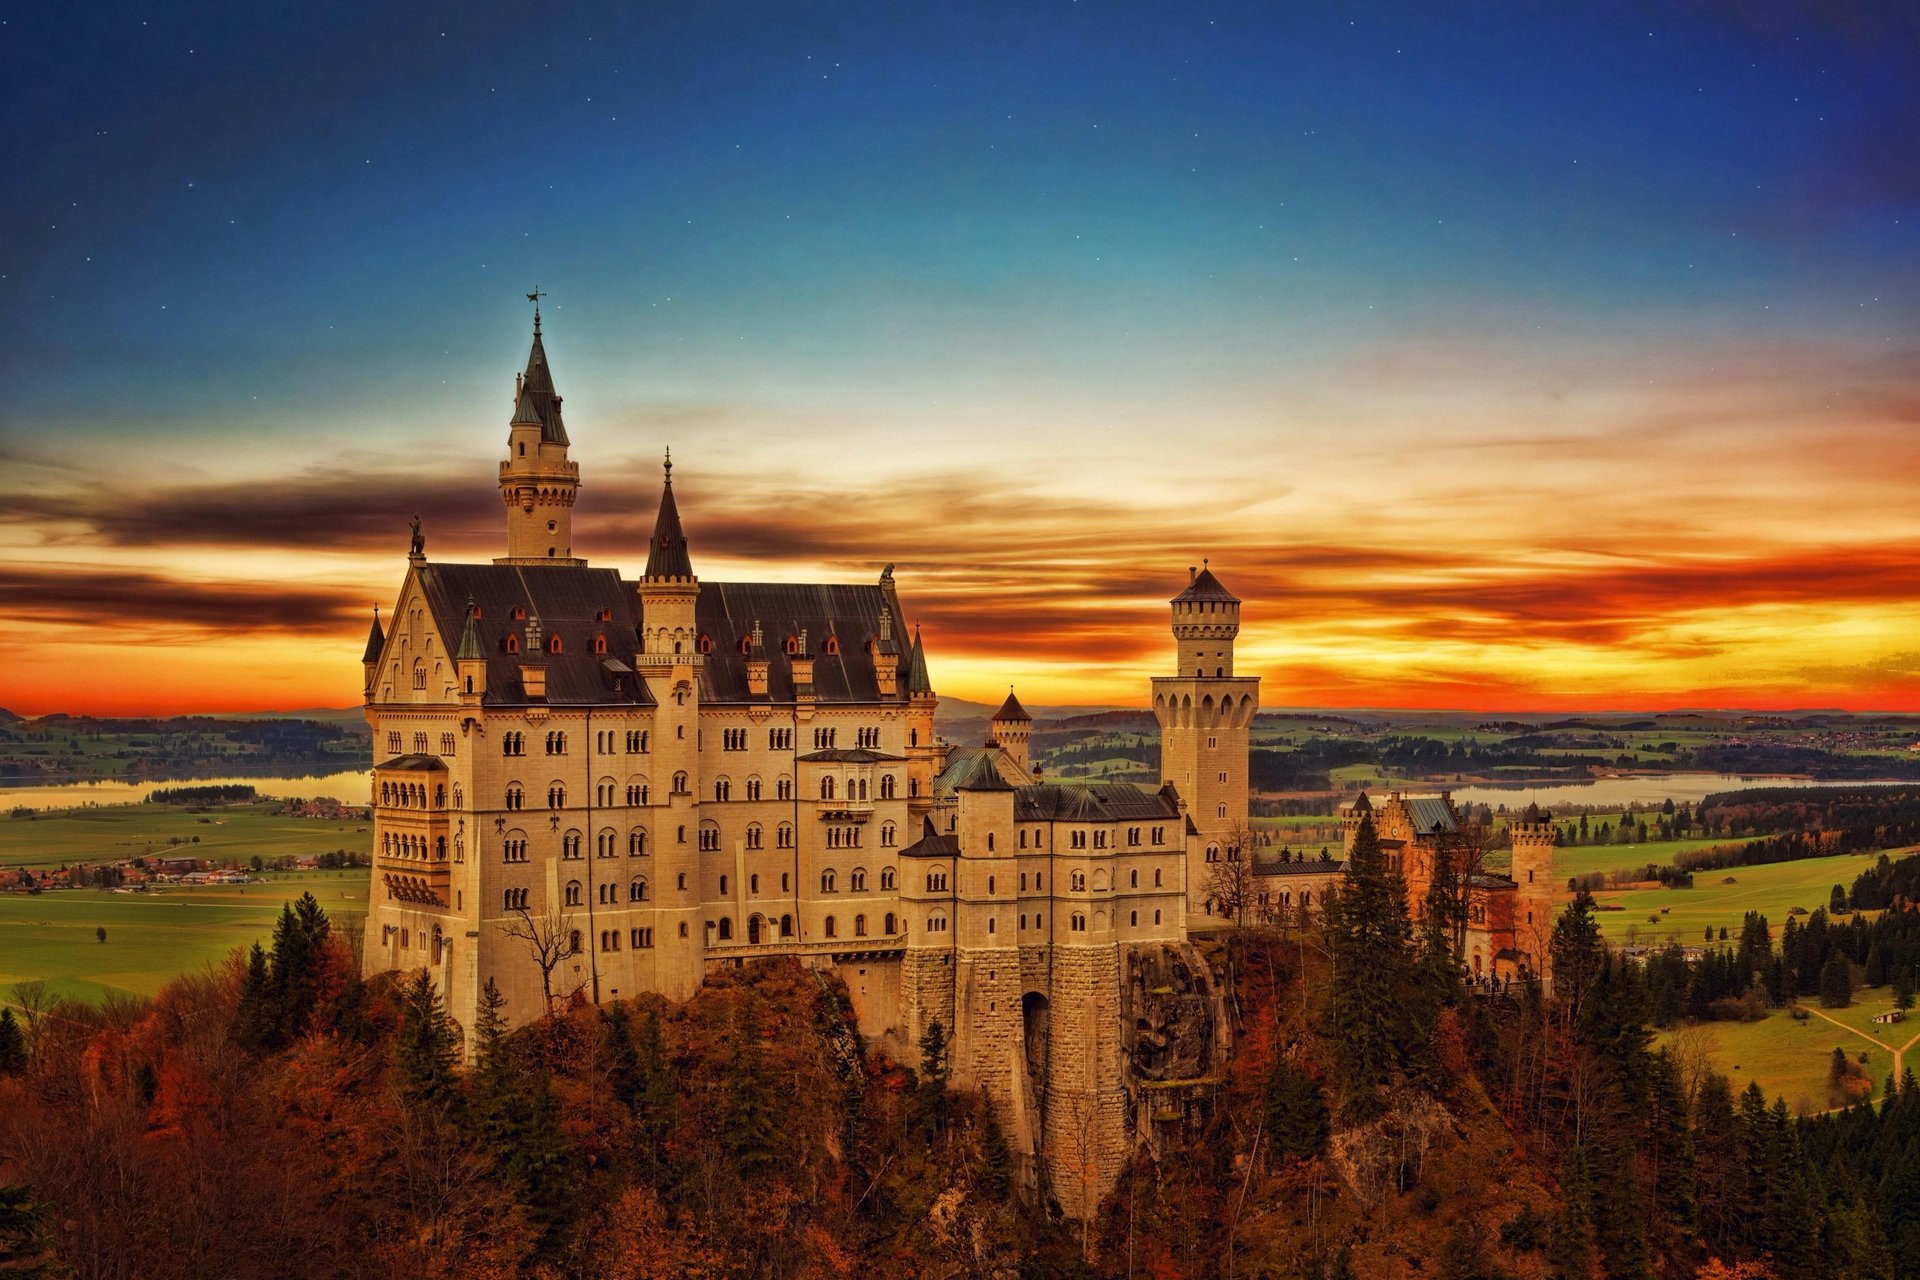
x=680, y=784
x=989, y=884
x=783, y=789
x=989, y=924
x=420, y=744
x=1078, y=840
x=709, y=839
x=753, y=836
x=890, y=924
x=605, y=615
x=513, y=644
x=1133, y=917
x=1133, y=835
x=828, y=927
x=680, y=883
x=1133, y=879
x=642, y=938
x=519, y=613
x=419, y=673
x=1159, y=835
x=723, y=886
x=1023, y=882
x=1023, y=920
x=553, y=641
x=827, y=881
x=989, y=842
x=792, y=645
x=556, y=796
x=936, y=924
x=1037, y=879
x=1156, y=917
x=1023, y=837
x=857, y=880
x=832, y=645
x=1079, y=882
x=637, y=891
x=1213, y=853
x=570, y=845
x=603, y=844
x=516, y=798
x=779, y=739
x=859, y=926
x=826, y=788
x=706, y=643
x=783, y=836
x=516, y=900
x=886, y=786
x=722, y=789
x=886, y=835
x=393, y=742
x=726, y=928
x=446, y=744
x=1221, y=811
x=514, y=850
x=936, y=882
x=599, y=644
x=573, y=893
x=886, y=878
x=1079, y=923
x=786, y=926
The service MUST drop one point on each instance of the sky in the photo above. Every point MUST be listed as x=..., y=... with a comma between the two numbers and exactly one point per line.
x=1517, y=357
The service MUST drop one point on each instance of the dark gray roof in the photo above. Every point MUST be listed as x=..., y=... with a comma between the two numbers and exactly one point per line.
x=851, y=755
x=1012, y=710
x=1093, y=802
x=916, y=679
x=1311, y=867
x=1431, y=814
x=470, y=648
x=1205, y=587
x=376, y=640
x=537, y=393
x=962, y=761
x=933, y=846
x=569, y=601
x=978, y=774
x=415, y=763
x=1361, y=804
x=667, y=554
x=1488, y=880
x=846, y=612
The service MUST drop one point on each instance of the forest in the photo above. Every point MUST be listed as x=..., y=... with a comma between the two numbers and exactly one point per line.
x=1379, y=1118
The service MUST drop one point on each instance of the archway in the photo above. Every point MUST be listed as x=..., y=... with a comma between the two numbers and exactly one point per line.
x=753, y=930
x=1036, y=1016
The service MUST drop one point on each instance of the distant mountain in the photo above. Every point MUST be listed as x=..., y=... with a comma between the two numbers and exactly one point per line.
x=8, y=717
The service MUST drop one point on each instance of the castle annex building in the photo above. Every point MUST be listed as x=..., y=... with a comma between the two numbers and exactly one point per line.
x=598, y=784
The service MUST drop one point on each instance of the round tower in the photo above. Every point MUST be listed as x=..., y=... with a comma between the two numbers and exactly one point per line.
x=1013, y=730
x=1534, y=836
x=1206, y=618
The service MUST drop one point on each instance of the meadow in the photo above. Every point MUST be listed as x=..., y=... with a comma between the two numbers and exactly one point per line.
x=1653, y=916
x=1791, y=1057
x=108, y=833
x=154, y=936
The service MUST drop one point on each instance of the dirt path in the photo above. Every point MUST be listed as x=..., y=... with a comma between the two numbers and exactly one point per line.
x=1899, y=1053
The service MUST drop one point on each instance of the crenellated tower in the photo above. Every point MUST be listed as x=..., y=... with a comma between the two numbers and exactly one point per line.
x=1206, y=716
x=538, y=482
x=1012, y=728
x=670, y=661
x=1534, y=836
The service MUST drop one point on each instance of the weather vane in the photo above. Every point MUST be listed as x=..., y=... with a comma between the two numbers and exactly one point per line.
x=534, y=298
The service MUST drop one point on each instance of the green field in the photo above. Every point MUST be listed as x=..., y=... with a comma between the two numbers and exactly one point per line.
x=1580, y=860
x=1772, y=890
x=1789, y=1057
x=112, y=832
x=151, y=937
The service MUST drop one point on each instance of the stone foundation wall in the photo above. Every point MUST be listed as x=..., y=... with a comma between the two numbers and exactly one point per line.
x=1085, y=1132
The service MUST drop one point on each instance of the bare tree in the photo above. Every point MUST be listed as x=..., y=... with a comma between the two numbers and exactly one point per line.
x=1230, y=882
x=549, y=939
x=35, y=1002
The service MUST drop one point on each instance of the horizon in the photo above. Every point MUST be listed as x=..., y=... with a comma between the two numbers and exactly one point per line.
x=1543, y=364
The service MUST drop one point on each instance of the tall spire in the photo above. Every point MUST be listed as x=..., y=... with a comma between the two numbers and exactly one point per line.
x=538, y=401
x=667, y=555
x=917, y=680
x=470, y=638
x=376, y=639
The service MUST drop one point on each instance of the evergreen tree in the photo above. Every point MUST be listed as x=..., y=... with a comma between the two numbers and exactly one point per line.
x=426, y=1047
x=1903, y=989
x=13, y=1045
x=1373, y=1036
x=1836, y=982
x=1572, y=1246
x=1576, y=952
x=933, y=1076
x=996, y=1158
x=256, y=1021
x=1295, y=1115
x=753, y=1108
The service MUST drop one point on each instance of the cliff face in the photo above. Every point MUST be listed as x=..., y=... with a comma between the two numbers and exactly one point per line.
x=1177, y=1040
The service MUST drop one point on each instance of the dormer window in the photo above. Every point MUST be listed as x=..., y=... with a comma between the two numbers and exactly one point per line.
x=706, y=643
x=793, y=645
x=553, y=643
x=606, y=615
x=519, y=613
x=746, y=645
x=599, y=644
x=833, y=645
x=513, y=644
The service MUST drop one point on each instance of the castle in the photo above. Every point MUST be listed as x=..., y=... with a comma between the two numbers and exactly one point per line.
x=588, y=784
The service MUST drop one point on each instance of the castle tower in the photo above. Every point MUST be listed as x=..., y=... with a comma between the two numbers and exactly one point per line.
x=537, y=481
x=1534, y=836
x=670, y=661
x=924, y=757
x=1012, y=729
x=1206, y=714
x=376, y=645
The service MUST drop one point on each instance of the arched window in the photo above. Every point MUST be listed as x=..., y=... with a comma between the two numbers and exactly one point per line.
x=826, y=787
x=828, y=927
x=857, y=880
x=753, y=835
x=636, y=843
x=886, y=786
x=726, y=928
x=886, y=878
x=891, y=924
x=573, y=893
x=887, y=835
x=827, y=880
x=513, y=643
x=553, y=641
x=516, y=798
x=637, y=891
x=859, y=926
x=783, y=836
x=680, y=784
x=419, y=673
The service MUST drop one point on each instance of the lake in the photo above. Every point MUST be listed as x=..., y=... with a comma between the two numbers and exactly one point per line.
x=1650, y=788
x=352, y=787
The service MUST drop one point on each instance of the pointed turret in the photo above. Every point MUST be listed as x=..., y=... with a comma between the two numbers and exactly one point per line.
x=538, y=482
x=470, y=638
x=918, y=684
x=667, y=555
x=1011, y=710
x=470, y=660
x=376, y=645
x=1012, y=728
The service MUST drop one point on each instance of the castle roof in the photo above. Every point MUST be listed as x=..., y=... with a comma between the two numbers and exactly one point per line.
x=976, y=772
x=537, y=396
x=962, y=762
x=933, y=845
x=1093, y=802
x=917, y=681
x=376, y=640
x=1431, y=814
x=1491, y=881
x=580, y=603
x=1311, y=867
x=1012, y=710
x=1205, y=586
x=667, y=553
x=850, y=755
x=469, y=639
x=416, y=763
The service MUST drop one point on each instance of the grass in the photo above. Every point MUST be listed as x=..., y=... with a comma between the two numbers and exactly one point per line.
x=151, y=937
x=111, y=832
x=1580, y=860
x=1789, y=1057
x=1772, y=890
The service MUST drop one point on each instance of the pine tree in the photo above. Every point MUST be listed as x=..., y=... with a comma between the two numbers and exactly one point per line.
x=1367, y=1008
x=1836, y=982
x=426, y=1047
x=751, y=1121
x=1295, y=1115
x=1572, y=1247
x=1903, y=989
x=256, y=1021
x=933, y=1075
x=996, y=1157
x=1576, y=952
x=13, y=1045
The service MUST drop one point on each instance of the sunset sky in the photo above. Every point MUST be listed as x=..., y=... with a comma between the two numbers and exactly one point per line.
x=1565, y=360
